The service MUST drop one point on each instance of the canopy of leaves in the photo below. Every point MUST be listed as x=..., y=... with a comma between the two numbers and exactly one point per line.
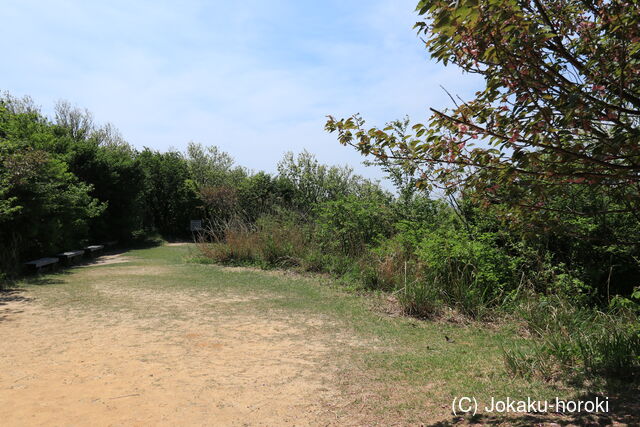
x=43, y=205
x=561, y=105
x=314, y=183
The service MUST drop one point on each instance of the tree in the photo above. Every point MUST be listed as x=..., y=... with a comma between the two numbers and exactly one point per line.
x=117, y=180
x=561, y=106
x=44, y=207
x=209, y=166
x=169, y=196
x=402, y=173
x=78, y=122
x=315, y=183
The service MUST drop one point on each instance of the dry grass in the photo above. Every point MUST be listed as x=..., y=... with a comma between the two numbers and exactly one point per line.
x=270, y=242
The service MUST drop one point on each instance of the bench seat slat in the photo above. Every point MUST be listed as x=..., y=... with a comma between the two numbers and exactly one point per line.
x=70, y=254
x=42, y=262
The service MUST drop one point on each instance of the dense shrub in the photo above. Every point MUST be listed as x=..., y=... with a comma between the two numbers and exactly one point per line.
x=388, y=266
x=239, y=246
x=281, y=241
x=573, y=341
x=348, y=225
x=470, y=273
x=591, y=253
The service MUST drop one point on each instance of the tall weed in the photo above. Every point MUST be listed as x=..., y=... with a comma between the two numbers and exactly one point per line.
x=271, y=242
x=575, y=341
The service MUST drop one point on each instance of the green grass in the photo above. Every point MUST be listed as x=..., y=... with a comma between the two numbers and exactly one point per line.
x=407, y=364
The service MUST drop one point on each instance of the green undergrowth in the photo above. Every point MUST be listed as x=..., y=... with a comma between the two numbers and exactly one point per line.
x=566, y=332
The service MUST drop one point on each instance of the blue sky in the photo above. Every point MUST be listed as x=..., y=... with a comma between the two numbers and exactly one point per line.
x=256, y=78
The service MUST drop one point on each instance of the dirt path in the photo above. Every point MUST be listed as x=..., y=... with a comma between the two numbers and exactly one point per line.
x=78, y=367
x=144, y=339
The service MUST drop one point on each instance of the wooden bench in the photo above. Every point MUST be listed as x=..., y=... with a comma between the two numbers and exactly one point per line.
x=39, y=264
x=93, y=250
x=70, y=257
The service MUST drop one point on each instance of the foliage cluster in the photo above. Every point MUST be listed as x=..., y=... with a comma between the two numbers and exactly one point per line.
x=66, y=181
x=434, y=256
x=540, y=166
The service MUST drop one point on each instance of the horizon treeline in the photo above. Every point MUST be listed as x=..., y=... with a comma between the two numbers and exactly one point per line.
x=66, y=181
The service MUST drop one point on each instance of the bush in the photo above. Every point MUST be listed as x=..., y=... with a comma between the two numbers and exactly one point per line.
x=393, y=267
x=281, y=242
x=420, y=299
x=315, y=260
x=347, y=226
x=575, y=341
x=271, y=242
x=390, y=265
x=470, y=274
x=239, y=247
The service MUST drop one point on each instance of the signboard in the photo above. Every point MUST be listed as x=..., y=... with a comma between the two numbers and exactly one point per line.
x=196, y=225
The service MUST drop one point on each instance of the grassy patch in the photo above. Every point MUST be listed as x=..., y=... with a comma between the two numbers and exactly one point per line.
x=402, y=367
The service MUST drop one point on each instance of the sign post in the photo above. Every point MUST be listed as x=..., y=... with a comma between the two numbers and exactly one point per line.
x=196, y=228
x=196, y=225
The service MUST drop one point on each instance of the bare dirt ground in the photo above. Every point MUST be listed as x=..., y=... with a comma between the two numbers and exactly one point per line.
x=124, y=341
x=73, y=367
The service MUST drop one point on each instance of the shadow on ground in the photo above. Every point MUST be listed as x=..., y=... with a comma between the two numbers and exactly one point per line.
x=11, y=292
x=8, y=296
x=49, y=277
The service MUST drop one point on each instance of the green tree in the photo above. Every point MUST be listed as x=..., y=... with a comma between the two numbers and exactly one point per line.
x=210, y=166
x=44, y=207
x=314, y=183
x=117, y=180
x=561, y=106
x=169, y=197
x=101, y=157
x=260, y=194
